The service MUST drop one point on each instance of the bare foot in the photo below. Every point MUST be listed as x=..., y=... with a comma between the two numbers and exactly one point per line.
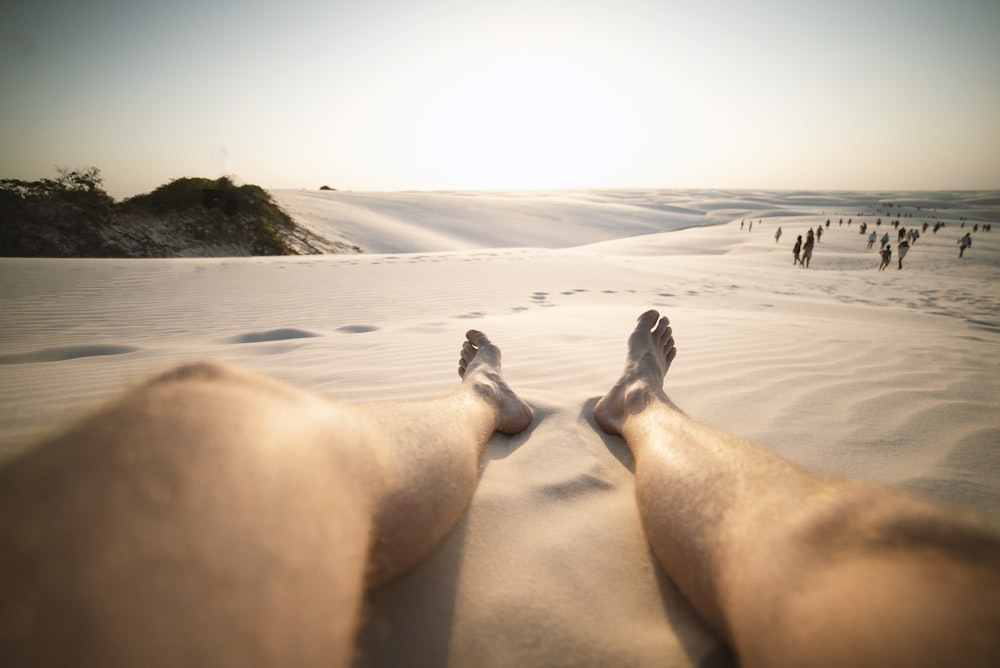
x=650, y=351
x=480, y=367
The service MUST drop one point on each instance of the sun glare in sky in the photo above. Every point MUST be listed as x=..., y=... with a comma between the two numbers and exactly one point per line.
x=443, y=94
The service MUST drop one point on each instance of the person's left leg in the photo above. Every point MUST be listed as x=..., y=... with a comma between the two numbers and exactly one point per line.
x=217, y=517
x=793, y=568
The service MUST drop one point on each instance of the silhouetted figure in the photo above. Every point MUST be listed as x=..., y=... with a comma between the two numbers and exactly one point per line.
x=796, y=250
x=904, y=248
x=964, y=243
x=886, y=257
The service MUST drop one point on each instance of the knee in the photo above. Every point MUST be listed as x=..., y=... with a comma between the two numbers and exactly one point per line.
x=862, y=518
x=216, y=379
x=210, y=371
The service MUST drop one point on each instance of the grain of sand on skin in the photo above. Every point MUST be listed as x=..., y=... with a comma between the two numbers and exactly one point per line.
x=893, y=378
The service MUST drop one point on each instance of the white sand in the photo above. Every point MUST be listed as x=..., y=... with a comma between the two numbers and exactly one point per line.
x=889, y=376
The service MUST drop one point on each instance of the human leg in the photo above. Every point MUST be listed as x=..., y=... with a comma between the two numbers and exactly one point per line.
x=217, y=517
x=793, y=568
x=432, y=467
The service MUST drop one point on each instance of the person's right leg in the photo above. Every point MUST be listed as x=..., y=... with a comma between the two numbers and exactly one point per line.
x=793, y=568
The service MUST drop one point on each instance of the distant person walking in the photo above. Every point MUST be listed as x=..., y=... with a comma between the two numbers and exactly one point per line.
x=807, y=251
x=796, y=250
x=777, y=235
x=964, y=243
x=871, y=240
x=886, y=257
x=884, y=240
x=904, y=248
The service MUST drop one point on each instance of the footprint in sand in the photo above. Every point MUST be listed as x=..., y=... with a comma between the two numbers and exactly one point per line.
x=357, y=329
x=283, y=334
x=540, y=299
x=66, y=353
x=471, y=316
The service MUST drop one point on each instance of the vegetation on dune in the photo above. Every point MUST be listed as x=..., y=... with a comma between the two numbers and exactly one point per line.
x=219, y=211
x=72, y=216
x=39, y=217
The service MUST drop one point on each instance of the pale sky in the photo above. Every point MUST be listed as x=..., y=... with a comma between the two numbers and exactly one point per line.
x=469, y=94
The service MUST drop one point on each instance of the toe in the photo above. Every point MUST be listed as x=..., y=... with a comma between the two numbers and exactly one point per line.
x=477, y=338
x=662, y=331
x=648, y=319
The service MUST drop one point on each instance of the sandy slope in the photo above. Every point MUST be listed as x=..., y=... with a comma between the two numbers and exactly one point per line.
x=890, y=376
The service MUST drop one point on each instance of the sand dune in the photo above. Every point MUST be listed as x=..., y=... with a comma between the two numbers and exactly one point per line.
x=888, y=376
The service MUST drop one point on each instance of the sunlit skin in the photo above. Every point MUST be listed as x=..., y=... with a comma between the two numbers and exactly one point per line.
x=793, y=568
x=214, y=516
x=217, y=517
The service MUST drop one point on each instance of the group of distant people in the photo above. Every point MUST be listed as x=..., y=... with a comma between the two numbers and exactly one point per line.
x=802, y=250
x=886, y=253
x=904, y=239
